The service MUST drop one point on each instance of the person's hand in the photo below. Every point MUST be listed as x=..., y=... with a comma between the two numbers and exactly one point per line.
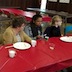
x=62, y=35
x=39, y=36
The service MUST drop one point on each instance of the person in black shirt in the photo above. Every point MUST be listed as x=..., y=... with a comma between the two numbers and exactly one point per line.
x=54, y=30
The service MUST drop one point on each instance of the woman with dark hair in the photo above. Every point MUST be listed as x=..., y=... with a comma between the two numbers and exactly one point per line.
x=15, y=32
x=34, y=29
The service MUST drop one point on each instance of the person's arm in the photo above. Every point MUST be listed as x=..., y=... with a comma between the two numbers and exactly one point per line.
x=7, y=38
x=27, y=30
x=27, y=38
x=47, y=31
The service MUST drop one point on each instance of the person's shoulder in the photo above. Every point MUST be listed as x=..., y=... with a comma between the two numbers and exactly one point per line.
x=27, y=26
x=52, y=27
x=9, y=29
x=48, y=28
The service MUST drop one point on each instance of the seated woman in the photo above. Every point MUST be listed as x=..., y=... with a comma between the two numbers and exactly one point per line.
x=15, y=32
x=54, y=30
x=34, y=29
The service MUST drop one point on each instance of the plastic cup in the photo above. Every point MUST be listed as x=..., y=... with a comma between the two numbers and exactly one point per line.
x=12, y=53
x=33, y=43
x=52, y=46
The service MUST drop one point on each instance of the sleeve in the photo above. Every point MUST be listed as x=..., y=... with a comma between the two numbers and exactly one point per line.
x=7, y=38
x=27, y=38
x=27, y=30
x=47, y=31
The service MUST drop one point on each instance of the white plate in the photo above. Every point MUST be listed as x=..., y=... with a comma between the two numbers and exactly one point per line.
x=66, y=39
x=21, y=45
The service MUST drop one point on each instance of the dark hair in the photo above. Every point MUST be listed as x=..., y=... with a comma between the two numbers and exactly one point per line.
x=17, y=22
x=35, y=17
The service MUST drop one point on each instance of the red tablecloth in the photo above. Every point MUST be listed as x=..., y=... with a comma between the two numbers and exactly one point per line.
x=38, y=59
x=28, y=15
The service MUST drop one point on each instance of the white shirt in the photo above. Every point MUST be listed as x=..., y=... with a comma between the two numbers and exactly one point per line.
x=18, y=38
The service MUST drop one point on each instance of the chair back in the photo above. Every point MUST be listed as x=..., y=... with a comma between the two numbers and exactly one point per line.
x=68, y=29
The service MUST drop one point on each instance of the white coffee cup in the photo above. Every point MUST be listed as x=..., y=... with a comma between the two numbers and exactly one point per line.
x=12, y=53
x=33, y=43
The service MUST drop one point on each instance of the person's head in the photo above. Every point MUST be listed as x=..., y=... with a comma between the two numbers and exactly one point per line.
x=19, y=23
x=37, y=20
x=56, y=20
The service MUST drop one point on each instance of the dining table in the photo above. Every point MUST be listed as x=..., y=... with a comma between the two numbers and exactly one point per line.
x=40, y=58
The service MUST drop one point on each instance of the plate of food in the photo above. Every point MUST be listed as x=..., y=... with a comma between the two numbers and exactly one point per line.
x=21, y=45
x=66, y=38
